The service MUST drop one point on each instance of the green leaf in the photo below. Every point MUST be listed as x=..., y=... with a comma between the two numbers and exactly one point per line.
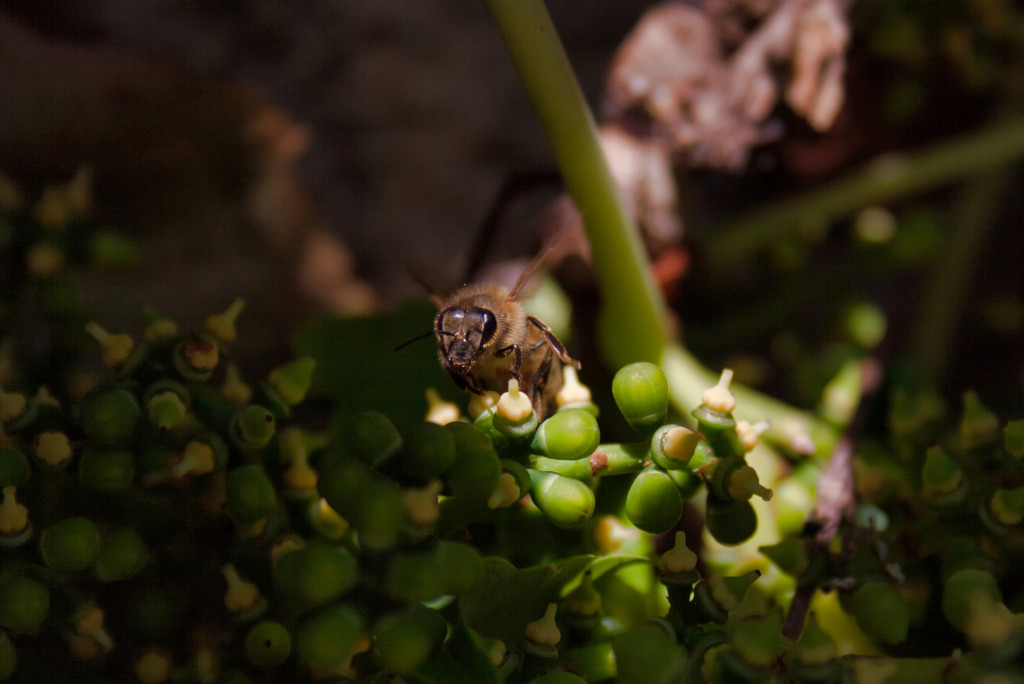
x=506, y=599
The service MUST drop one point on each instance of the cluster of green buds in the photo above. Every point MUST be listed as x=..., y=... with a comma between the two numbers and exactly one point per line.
x=168, y=468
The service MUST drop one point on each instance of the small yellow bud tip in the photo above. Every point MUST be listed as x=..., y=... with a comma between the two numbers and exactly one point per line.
x=166, y=409
x=91, y=624
x=544, y=631
x=572, y=392
x=13, y=516
x=198, y=459
x=679, y=558
x=481, y=403
x=240, y=594
x=222, y=325
x=53, y=448
x=420, y=505
x=719, y=398
x=11, y=405
x=506, y=493
x=749, y=434
x=439, y=411
x=116, y=348
x=514, y=406
x=201, y=355
x=234, y=389
x=744, y=484
x=679, y=443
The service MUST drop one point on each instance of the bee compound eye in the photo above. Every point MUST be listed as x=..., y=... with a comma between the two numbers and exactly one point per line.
x=489, y=327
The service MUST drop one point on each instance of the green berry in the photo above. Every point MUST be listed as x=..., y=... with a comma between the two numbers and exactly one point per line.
x=268, y=644
x=24, y=604
x=123, y=554
x=371, y=437
x=324, y=640
x=978, y=425
x=250, y=494
x=968, y=592
x=647, y=654
x=730, y=522
x=477, y=468
x=568, y=434
x=8, y=657
x=72, y=544
x=106, y=470
x=380, y=514
x=758, y=638
x=314, y=576
x=342, y=481
x=109, y=416
x=14, y=468
x=653, y=502
x=252, y=426
x=641, y=393
x=940, y=475
x=673, y=446
x=1013, y=438
x=403, y=640
x=429, y=452
x=293, y=380
x=882, y=612
x=565, y=501
x=459, y=565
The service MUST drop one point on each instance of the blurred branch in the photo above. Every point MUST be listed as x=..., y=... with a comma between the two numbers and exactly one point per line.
x=888, y=177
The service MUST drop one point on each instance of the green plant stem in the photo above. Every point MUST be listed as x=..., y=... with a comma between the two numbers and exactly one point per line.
x=608, y=459
x=889, y=176
x=687, y=379
x=945, y=292
x=630, y=325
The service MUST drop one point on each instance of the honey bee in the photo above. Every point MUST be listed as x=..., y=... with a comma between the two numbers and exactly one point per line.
x=485, y=338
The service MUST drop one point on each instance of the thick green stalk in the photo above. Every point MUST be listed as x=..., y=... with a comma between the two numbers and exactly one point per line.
x=888, y=177
x=631, y=320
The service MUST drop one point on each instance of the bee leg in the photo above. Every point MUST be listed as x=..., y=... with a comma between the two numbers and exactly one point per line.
x=517, y=359
x=553, y=342
x=539, y=382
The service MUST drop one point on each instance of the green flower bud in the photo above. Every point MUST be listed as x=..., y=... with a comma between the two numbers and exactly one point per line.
x=641, y=393
x=109, y=416
x=559, y=677
x=250, y=494
x=730, y=522
x=72, y=544
x=672, y=446
x=107, y=470
x=292, y=380
x=8, y=657
x=371, y=437
x=972, y=602
x=566, y=502
x=459, y=564
x=196, y=358
x=476, y=469
x=758, y=638
x=325, y=639
x=313, y=576
x=14, y=468
x=123, y=554
x=882, y=612
x=1007, y=506
x=514, y=416
x=342, y=482
x=584, y=600
x=513, y=484
x=941, y=477
x=404, y=640
x=648, y=654
x=268, y=644
x=653, y=502
x=687, y=482
x=416, y=576
x=790, y=555
x=252, y=427
x=428, y=452
x=978, y=425
x=568, y=434
x=380, y=515
x=24, y=604
x=167, y=403
x=814, y=647
x=1013, y=438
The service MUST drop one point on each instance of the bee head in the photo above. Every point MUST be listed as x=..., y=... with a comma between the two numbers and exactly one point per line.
x=462, y=333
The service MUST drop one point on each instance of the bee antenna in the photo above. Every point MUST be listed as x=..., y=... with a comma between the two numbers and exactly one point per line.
x=415, y=339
